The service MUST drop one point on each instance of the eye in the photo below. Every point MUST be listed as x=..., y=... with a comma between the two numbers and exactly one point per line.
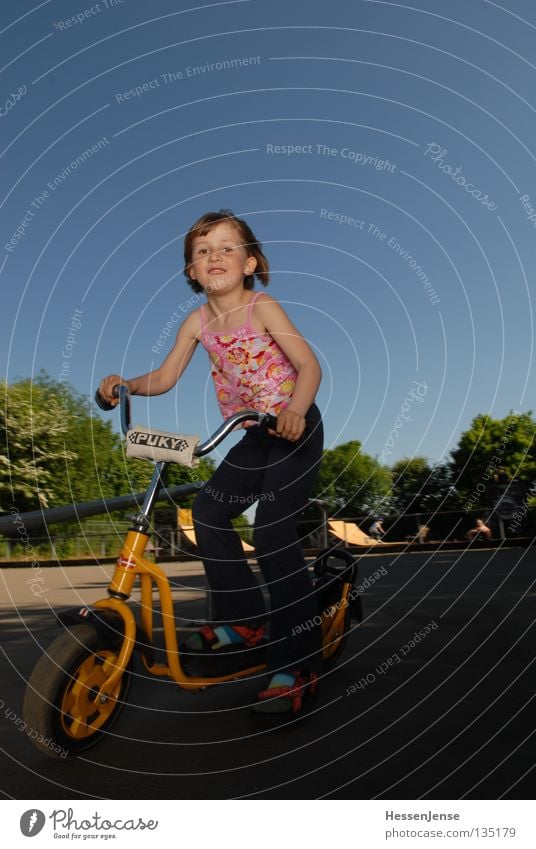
x=228, y=250
x=201, y=251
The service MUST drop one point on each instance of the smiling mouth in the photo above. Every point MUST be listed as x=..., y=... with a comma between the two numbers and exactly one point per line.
x=216, y=270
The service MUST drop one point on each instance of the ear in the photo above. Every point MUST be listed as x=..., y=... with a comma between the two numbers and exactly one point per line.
x=191, y=272
x=250, y=266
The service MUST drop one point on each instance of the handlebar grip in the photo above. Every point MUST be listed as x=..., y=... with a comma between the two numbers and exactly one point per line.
x=270, y=421
x=100, y=402
x=105, y=405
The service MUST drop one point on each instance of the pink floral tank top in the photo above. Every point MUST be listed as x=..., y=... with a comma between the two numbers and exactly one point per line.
x=249, y=369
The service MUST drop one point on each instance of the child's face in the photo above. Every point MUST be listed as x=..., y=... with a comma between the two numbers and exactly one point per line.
x=219, y=261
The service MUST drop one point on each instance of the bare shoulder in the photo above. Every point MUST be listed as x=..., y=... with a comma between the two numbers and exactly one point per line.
x=265, y=305
x=191, y=326
x=270, y=312
x=262, y=298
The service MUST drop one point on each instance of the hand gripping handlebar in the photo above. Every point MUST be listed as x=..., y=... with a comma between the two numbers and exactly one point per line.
x=121, y=391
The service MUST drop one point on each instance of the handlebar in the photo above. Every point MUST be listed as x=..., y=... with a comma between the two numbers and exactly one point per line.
x=121, y=391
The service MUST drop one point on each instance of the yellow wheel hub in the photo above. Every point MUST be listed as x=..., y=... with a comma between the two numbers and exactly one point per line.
x=82, y=713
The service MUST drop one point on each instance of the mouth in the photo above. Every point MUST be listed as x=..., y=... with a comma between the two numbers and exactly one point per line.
x=216, y=270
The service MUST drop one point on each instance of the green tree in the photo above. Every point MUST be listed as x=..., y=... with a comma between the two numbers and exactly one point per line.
x=419, y=487
x=33, y=445
x=182, y=474
x=492, y=452
x=351, y=480
x=56, y=451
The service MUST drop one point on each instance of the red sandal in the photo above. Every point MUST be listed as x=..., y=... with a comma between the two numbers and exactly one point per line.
x=287, y=699
x=251, y=637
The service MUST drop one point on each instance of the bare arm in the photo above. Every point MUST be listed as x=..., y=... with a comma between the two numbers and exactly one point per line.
x=166, y=376
x=302, y=357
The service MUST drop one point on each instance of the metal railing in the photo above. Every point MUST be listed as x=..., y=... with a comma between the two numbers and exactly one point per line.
x=36, y=519
x=167, y=540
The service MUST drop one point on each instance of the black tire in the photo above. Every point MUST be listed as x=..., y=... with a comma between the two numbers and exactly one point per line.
x=60, y=715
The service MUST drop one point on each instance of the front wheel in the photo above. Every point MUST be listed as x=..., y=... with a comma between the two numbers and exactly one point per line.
x=60, y=709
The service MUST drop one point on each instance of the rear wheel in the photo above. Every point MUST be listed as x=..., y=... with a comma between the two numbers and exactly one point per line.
x=334, y=635
x=337, y=600
x=60, y=709
x=336, y=626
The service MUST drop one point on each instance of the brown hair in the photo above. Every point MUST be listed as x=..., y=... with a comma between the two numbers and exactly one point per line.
x=252, y=245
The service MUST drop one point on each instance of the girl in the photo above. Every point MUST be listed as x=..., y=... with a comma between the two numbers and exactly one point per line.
x=258, y=361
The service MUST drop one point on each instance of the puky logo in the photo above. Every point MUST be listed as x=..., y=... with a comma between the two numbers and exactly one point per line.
x=31, y=822
x=153, y=440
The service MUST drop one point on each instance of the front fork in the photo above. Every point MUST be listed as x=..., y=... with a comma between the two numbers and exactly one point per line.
x=127, y=647
x=130, y=564
x=127, y=568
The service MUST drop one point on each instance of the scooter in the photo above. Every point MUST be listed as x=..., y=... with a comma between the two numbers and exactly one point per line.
x=80, y=684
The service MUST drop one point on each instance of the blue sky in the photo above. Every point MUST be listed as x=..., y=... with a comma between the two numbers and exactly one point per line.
x=382, y=153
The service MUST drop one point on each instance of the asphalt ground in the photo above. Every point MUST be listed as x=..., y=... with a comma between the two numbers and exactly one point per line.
x=448, y=715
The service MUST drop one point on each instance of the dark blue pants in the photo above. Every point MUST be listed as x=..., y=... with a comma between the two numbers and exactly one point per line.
x=280, y=476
